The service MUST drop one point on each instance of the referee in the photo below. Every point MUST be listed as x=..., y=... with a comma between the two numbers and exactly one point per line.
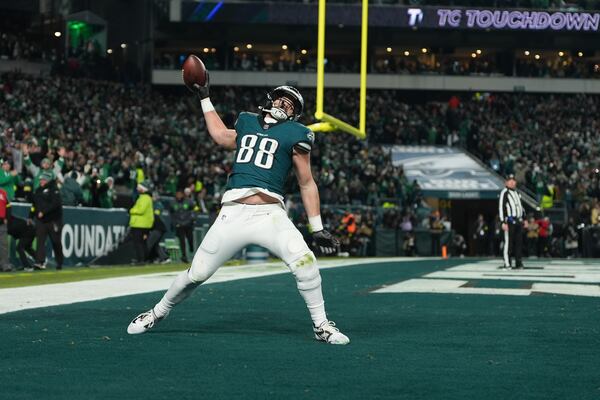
x=511, y=215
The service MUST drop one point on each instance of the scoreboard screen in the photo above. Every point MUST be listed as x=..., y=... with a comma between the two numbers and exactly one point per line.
x=391, y=16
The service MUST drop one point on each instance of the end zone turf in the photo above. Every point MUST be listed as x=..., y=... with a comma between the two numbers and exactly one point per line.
x=251, y=339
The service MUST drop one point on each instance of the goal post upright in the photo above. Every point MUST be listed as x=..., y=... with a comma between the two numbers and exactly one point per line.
x=321, y=60
x=327, y=122
x=363, y=66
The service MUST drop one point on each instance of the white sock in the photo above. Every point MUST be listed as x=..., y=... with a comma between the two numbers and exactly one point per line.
x=180, y=290
x=316, y=304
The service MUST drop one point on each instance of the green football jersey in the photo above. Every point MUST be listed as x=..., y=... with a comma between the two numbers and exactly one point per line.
x=263, y=157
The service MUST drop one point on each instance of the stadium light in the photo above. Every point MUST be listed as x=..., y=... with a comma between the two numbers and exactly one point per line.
x=284, y=47
x=389, y=49
x=213, y=50
x=57, y=34
x=304, y=51
x=123, y=45
x=236, y=49
x=423, y=50
x=109, y=51
x=407, y=53
x=478, y=51
x=206, y=49
x=526, y=52
x=537, y=56
x=473, y=55
x=580, y=54
x=248, y=46
x=561, y=53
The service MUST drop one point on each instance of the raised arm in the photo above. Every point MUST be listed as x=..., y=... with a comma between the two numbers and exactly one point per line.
x=312, y=204
x=216, y=128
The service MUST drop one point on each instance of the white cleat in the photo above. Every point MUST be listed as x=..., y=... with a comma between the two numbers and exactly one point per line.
x=143, y=323
x=327, y=332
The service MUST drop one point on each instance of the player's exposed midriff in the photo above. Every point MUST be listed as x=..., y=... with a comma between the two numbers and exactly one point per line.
x=258, y=198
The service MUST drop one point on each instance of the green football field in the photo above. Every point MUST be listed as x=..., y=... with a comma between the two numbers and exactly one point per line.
x=252, y=339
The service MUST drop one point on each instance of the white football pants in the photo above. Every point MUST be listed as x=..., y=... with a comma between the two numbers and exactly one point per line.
x=237, y=226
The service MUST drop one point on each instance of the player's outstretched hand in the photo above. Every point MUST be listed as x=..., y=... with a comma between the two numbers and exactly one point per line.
x=202, y=91
x=326, y=242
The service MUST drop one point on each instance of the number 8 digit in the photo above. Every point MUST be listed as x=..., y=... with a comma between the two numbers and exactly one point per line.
x=247, y=148
x=263, y=150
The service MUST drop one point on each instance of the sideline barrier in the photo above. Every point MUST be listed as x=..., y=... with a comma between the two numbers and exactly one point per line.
x=87, y=233
x=390, y=242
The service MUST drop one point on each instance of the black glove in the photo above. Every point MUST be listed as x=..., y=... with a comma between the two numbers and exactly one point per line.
x=202, y=91
x=326, y=242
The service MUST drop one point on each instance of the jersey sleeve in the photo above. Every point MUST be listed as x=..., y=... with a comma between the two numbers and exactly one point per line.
x=305, y=141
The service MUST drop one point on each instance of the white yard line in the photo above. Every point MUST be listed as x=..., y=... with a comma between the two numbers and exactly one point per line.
x=565, y=277
x=23, y=298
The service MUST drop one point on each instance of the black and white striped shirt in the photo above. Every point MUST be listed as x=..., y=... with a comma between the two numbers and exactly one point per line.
x=510, y=206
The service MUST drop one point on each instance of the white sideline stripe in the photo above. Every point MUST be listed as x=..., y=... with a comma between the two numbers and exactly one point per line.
x=23, y=298
x=447, y=286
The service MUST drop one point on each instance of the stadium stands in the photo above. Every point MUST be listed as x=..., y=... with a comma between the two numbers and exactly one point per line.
x=128, y=132
x=109, y=129
x=544, y=64
x=543, y=135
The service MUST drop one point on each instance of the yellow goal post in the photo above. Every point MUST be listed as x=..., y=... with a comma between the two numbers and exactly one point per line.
x=328, y=123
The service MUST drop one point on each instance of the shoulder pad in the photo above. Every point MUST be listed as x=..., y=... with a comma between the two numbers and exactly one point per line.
x=305, y=140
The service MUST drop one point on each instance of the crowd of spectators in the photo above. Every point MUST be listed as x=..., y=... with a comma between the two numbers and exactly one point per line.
x=550, y=143
x=102, y=138
x=548, y=66
x=99, y=139
x=16, y=46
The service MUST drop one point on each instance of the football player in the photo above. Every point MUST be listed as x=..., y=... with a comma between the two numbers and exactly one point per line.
x=267, y=146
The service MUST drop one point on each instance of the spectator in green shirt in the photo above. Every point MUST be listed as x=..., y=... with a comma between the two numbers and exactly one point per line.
x=8, y=179
x=46, y=166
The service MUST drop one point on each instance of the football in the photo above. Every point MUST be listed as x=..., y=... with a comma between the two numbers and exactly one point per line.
x=193, y=72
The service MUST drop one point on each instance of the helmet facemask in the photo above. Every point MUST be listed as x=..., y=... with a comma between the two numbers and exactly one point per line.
x=284, y=103
x=282, y=108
